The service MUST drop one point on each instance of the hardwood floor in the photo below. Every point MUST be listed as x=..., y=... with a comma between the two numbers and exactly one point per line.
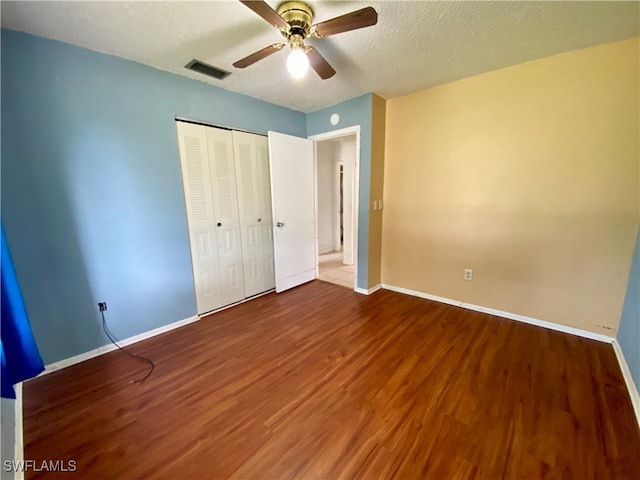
x=320, y=382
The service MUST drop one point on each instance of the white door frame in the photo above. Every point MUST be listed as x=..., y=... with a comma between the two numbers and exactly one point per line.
x=339, y=219
x=343, y=132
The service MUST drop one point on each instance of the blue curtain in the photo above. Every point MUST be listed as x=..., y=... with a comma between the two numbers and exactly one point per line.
x=20, y=357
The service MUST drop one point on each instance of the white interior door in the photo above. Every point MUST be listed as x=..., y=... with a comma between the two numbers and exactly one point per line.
x=194, y=158
x=293, y=200
x=225, y=202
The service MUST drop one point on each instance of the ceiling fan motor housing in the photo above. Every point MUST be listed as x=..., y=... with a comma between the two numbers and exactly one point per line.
x=299, y=16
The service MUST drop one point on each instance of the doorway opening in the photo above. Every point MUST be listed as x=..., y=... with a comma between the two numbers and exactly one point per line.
x=336, y=172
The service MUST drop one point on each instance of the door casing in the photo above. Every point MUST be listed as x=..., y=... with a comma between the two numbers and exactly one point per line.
x=332, y=135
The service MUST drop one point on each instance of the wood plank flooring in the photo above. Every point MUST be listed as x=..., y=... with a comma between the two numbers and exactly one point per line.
x=323, y=383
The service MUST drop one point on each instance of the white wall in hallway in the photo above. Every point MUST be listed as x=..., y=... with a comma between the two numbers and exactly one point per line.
x=329, y=155
x=327, y=208
x=346, y=154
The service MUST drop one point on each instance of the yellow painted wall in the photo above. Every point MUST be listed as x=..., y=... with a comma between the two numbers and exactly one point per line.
x=378, y=116
x=527, y=175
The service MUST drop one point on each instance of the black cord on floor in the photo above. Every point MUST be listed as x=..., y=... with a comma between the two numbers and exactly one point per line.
x=132, y=355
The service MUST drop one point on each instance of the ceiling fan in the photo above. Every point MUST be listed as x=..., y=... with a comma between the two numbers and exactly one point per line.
x=294, y=20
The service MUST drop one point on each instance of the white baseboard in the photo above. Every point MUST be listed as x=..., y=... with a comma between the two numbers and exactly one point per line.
x=626, y=374
x=18, y=436
x=511, y=316
x=244, y=300
x=368, y=291
x=67, y=362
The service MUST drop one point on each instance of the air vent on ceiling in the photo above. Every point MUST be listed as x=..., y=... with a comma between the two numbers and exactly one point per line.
x=203, y=68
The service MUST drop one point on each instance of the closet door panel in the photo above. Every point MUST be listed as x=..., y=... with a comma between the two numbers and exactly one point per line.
x=249, y=204
x=225, y=203
x=266, y=228
x=194, y=159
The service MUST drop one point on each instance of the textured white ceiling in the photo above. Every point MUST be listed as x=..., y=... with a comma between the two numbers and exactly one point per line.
x=415, y=45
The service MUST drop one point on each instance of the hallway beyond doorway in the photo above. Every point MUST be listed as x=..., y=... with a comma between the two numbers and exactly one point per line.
x=332, y=270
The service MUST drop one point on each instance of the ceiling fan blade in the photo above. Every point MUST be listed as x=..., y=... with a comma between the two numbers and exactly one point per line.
x=351, y=21
x=319, y=64
x=266, y=12
x=259, y=55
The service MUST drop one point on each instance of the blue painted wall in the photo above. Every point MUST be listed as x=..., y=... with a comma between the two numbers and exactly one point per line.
x=629, y=331
x=356, y=111
x=92, y=199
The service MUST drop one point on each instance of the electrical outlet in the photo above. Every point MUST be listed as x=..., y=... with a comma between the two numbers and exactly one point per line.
x=102, y=306
x=468, y=274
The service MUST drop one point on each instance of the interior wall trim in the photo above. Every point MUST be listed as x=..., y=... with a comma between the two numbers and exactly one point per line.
x=368, y=291
x=511, y=316
x=216, y=125
x=67, y=362
x=628, y=378
x=248, y=299
x=18, y=435
x=330, y=135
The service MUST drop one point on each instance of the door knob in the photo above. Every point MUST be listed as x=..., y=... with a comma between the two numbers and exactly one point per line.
x=259, y=220
x=219, y=224
x=279, y=224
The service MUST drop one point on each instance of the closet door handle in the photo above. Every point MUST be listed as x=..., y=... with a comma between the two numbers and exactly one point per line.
x=219, y=224
x=280, y=224
x=259, y=220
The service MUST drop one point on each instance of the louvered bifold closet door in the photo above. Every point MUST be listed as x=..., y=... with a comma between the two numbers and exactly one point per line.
x=225, y=203
x=266, y=230
x=194, y=159
x=253, y=220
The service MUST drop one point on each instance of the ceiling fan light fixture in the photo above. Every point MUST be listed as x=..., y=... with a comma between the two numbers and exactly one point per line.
x=294, y=20
x=297, y=63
